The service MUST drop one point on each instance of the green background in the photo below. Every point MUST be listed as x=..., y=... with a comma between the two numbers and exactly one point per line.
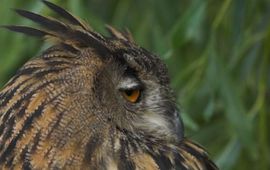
x=217, y=52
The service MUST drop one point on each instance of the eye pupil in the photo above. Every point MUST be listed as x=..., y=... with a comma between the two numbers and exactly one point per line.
x=129, y=92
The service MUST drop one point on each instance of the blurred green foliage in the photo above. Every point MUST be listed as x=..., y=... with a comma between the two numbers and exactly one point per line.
x=218, y=54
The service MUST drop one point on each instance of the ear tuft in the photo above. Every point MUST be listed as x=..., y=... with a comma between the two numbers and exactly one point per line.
x=26, y=30
x=125, y=35
x=65, y=14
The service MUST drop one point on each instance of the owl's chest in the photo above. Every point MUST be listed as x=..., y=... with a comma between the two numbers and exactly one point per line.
x=122, y=152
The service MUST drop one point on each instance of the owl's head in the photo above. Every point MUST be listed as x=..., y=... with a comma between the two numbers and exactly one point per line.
x=133, y=86
x=110, y=80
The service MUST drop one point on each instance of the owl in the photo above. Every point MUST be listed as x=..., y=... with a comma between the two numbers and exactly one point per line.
x=92, y=102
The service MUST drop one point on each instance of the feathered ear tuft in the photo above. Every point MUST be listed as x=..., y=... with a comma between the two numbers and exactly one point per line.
x=66, y=15
x=73, y=33
x=50, y=24
x=126, y=35
x=26, y=30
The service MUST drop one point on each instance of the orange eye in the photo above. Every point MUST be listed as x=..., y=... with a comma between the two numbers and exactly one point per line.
x=131, y=95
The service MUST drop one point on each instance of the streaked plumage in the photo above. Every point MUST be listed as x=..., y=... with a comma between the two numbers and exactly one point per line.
x=63, y=109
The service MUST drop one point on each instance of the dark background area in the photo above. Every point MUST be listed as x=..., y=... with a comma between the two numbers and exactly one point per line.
x=217, y=52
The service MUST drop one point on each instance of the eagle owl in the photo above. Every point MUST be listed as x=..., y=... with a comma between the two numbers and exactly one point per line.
x=91, y=102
